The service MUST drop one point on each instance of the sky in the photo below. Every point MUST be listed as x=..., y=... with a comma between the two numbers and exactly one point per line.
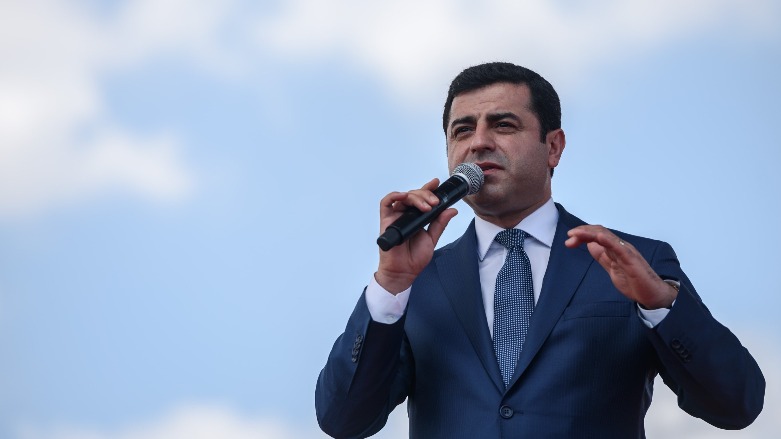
x=189, y=190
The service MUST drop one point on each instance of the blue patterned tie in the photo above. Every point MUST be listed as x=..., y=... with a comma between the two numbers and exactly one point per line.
x=513, y=302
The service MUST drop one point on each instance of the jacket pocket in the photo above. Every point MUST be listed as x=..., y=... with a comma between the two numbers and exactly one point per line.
x=597, y=309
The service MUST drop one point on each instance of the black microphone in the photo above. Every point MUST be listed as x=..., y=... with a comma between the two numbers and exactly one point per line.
x=465, y=180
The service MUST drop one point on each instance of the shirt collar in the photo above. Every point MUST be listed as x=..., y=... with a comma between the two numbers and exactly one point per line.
x=541, y=225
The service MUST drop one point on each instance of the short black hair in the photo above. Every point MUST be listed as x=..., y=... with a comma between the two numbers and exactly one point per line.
x=544, y=99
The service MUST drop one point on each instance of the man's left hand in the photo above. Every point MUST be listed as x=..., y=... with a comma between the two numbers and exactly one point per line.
x=628, y=270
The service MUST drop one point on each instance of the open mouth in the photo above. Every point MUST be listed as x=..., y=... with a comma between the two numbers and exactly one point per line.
x=487, y=167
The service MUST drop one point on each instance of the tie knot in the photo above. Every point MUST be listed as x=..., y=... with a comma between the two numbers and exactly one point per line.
x=511, y=238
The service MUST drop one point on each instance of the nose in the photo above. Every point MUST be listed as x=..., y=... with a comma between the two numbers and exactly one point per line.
x=481, y=140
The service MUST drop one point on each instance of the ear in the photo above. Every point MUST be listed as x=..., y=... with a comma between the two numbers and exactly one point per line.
x=556, y=142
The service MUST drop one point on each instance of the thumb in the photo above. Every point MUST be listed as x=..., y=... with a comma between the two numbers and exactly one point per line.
x=437, y=227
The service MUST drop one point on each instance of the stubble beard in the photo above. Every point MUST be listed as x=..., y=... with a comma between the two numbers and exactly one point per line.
x=505, y=201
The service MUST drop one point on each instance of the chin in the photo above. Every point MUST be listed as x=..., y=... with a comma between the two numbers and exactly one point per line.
x=483, y=200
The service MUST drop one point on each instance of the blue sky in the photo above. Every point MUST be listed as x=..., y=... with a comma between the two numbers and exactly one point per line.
x=189, y=189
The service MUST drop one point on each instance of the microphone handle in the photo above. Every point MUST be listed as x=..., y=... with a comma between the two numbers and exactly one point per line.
x=412, y=220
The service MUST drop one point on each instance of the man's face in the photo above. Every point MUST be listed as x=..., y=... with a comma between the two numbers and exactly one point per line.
x=495, y=128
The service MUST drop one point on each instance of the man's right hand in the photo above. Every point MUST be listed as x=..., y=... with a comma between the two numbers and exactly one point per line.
x=400, y=265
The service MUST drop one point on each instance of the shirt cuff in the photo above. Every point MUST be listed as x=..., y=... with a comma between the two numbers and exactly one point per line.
x=652, y=317
x=383, y=306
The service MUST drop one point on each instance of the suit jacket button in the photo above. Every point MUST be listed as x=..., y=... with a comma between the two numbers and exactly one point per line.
x=675, y=343
x=506, y=412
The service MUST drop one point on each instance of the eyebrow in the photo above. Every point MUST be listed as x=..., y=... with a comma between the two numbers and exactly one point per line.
x=499, y=116
x=492, y=118
x=460, y=120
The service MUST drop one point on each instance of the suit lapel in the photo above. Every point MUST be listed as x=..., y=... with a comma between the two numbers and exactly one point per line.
x=566, y=269
x=458, y=273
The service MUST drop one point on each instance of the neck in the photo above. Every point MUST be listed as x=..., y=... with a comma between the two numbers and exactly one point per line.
x=508, y=220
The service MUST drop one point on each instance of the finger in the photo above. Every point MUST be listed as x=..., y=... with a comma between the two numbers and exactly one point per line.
x=595, y=233
x=608, y=239
x=616, y=248
x=426, y=194
x=402, y=205
x=581, y=235
x=604, y=245
x=391, y=207
x=575, y=241
x=431, y=185
x=388, y=201
x=422, y=199
x=596, y=250
x=438, y=226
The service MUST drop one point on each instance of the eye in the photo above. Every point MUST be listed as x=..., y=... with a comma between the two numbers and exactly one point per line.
x=461, y=130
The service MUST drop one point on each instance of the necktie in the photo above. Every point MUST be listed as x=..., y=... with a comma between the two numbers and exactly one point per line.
x=513, y=302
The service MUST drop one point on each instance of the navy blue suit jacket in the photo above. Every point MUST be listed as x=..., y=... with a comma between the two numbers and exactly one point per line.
x=586, y=370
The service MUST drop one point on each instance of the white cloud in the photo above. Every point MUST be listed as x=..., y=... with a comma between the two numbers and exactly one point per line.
x=196, y=30
x=200, y=421
x=56, y=53
x=413, y=44
x=58, y=142
x=190, y=422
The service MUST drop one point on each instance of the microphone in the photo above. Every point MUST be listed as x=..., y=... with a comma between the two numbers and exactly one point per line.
x=467, y=179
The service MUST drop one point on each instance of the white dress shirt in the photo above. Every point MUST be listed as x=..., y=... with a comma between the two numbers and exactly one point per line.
x=384, y=307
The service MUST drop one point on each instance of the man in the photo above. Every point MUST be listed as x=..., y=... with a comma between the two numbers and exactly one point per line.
x=533, y=324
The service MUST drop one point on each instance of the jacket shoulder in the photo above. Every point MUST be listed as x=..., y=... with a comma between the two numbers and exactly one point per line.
x=570, y=221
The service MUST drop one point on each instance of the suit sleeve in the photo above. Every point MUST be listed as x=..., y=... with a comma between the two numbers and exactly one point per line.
x=366, y=376
x=702, y=361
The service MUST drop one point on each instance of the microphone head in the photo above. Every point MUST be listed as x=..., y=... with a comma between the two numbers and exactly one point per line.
x=472, y=174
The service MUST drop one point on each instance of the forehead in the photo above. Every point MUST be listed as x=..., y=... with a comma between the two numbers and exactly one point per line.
x=494, y=98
